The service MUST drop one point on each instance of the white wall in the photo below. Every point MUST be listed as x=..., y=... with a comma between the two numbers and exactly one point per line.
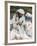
x=2, y=22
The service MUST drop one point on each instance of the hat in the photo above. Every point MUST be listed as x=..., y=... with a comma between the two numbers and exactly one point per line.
x=21, y=11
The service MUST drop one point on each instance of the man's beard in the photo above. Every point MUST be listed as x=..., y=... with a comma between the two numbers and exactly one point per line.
x=19, y=16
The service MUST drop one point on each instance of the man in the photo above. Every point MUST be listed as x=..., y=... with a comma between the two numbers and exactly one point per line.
x=20, y=14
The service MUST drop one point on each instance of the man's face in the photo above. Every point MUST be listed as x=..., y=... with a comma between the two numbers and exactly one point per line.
x=19, y=14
